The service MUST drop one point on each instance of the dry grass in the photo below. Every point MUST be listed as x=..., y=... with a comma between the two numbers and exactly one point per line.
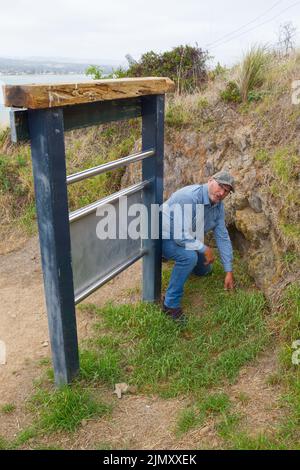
x=85, y=148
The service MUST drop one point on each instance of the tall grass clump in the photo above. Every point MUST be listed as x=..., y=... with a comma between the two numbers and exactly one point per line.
x=253, y=70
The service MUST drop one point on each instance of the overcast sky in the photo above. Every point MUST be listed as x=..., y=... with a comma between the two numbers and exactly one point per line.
x=98, y=30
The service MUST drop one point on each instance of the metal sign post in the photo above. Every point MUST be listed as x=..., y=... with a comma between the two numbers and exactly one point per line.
x=75, y=261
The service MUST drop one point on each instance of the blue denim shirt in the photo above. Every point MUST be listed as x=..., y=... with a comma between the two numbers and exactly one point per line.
x=214, y=219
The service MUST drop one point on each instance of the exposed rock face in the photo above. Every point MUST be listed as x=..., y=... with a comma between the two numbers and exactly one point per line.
x=254, y=227
x=191, y=157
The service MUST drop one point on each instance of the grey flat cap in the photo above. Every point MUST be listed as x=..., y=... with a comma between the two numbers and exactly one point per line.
x=224, y=177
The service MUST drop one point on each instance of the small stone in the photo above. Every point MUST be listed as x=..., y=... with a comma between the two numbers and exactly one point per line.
x=120, y=389
x=255, y=203
x=45, y=344
x=84, y=423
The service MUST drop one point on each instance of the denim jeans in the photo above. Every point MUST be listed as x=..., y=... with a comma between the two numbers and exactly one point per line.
x=186, y=262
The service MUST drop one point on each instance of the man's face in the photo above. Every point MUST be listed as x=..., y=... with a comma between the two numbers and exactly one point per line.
x=217, y=191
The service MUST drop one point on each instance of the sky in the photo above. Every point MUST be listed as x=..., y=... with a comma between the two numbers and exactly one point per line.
x=98, y=31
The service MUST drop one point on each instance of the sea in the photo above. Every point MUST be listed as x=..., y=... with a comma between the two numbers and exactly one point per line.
x=31, y=79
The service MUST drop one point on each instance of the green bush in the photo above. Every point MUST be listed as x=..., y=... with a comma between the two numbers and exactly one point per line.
x=185, y=65
x=231, y=94
x=97, y=73
x=255, y=95
x=218, y=71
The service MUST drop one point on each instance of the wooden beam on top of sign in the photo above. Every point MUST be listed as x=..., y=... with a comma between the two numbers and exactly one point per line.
x=80, y=115
x=53, y=95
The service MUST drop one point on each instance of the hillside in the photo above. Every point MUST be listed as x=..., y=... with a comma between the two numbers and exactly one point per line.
x=228, y=380
x=259, y=142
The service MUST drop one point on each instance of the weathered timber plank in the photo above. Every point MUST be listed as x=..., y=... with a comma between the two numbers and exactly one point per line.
x=51, y=95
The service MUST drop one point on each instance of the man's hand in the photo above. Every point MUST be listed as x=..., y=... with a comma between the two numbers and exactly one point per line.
x=229, y=281
x=209, y=256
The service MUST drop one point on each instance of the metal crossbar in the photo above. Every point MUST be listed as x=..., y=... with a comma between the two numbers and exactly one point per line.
x=97, y=170
x=80, y=213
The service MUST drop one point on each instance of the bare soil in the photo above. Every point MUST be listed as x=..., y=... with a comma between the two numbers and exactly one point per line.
x=137, y=422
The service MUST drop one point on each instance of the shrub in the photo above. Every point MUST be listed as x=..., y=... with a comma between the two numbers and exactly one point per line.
x=231, y=94
x=97, y=73
x=185, y=65
x=218, y=71
x=255, y=95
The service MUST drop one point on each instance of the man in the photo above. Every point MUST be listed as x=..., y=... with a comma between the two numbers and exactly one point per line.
x=181, y=243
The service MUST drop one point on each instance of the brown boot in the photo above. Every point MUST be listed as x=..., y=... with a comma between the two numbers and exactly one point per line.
x=175, y=314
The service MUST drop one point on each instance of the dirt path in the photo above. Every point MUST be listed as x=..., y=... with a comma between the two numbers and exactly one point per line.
x=138, y=421
x=24, y=328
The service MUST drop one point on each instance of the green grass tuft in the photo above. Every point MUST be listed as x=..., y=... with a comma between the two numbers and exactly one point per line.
x=285, y=164
x=215, y=403
x=65, y=408
x=4, y=445
x=8, y=408
x=226, y=428
x=97, y=367
x=188, y=419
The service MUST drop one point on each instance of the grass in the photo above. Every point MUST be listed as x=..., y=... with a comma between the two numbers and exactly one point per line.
x=163, y=359
x=101, y=367
x=8, y=408
x=285, y=164
x=65, y=409
x=226, y=428
x=137, y=344
x=3, y=443
x=187, y=419
x=262, y=155
x=243, y=398
x=252, y=71
x=188, y=111
x=60, y=410
x=286, y=435
x=213, y=404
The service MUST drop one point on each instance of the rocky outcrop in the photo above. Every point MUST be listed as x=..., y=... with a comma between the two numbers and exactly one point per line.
x=191, y=157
